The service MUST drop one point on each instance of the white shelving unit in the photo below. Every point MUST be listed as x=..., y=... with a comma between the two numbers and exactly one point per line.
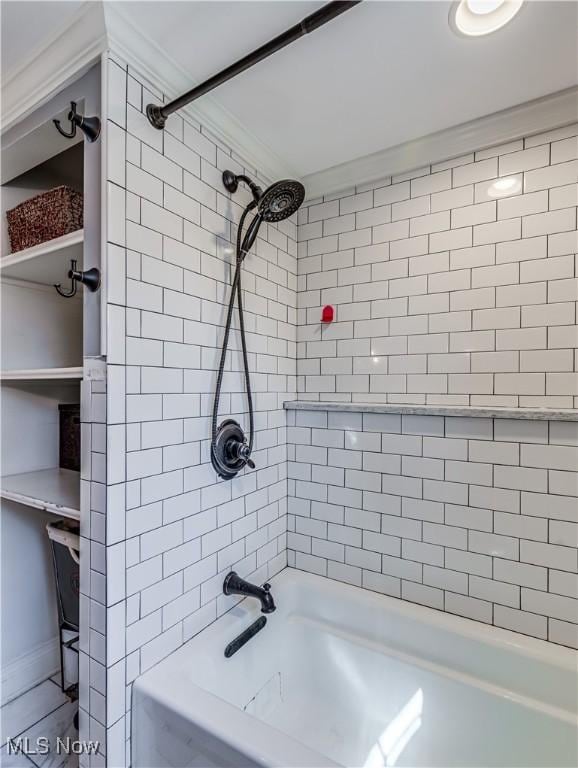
x=52, y=490
x=41, y=358
x=44, y=264
x=45, y=337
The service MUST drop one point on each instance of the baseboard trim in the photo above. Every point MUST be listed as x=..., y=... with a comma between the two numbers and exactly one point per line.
x=30, y=669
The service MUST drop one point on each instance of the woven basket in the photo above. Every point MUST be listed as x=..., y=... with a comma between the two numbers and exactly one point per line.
x=44, y=217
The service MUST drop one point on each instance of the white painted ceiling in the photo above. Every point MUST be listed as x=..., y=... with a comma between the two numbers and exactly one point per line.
x=381, y=74
x=26, y=25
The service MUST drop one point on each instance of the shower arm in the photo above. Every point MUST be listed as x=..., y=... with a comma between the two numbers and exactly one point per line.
x=157, y=114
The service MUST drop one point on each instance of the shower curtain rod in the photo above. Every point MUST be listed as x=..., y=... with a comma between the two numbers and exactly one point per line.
x=157, y=115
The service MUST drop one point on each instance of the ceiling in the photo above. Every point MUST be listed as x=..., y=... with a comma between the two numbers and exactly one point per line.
x=382, y=74
x=26, y=25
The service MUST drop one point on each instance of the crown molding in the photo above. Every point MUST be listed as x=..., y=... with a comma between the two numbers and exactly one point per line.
x=139, y=51
x=55, y=63
x=546, y=113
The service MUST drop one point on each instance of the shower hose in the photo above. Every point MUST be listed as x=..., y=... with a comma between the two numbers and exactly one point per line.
x=241, y=252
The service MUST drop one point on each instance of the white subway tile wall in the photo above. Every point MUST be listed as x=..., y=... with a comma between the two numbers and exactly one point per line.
x=443, y=294
x=177, y=529
x=473, y=516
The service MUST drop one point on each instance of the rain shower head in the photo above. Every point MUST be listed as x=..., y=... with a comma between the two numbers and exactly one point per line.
x=278, y=202
x=281, y=200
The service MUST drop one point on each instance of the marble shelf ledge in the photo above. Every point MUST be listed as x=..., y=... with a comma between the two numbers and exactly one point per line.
x=534, y=414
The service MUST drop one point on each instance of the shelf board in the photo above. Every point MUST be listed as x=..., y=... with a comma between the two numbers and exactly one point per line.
x=53, y=490
x=42, y=374
x=47, y=263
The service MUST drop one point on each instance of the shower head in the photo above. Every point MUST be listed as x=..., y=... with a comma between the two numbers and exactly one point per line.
x=281, y=200
x=278, y=202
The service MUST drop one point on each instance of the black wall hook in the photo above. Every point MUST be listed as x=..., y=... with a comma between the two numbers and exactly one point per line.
x=90, y=126
x=90, y=278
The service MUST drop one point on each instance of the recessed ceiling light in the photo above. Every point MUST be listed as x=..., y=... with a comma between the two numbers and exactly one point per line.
x=509, y=185
x=480, y=17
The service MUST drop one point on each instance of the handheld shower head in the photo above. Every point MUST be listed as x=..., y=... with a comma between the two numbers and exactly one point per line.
x=278, y=202
x=281, y=200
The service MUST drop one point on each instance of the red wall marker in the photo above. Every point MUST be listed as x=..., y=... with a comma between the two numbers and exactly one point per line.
x=327, y=314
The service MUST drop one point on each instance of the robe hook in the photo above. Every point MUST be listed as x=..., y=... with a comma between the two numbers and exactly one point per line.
x=90, y=126
x=90, y=278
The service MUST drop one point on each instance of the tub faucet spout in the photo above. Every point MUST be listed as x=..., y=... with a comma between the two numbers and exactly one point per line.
x=235, y=585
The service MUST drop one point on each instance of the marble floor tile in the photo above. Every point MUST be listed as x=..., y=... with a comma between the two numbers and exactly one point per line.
x=57, y=724
x=22, y=713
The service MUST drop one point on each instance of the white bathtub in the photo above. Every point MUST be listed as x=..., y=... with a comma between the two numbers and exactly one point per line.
x=343, y=676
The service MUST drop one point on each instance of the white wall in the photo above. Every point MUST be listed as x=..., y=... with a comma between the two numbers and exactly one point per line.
x=442, y=294
x=473, y=516
x=40, y=329
x=29, y=631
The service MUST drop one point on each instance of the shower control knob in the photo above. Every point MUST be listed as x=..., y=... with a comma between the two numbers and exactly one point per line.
x=245, y=454
x=229, y=450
